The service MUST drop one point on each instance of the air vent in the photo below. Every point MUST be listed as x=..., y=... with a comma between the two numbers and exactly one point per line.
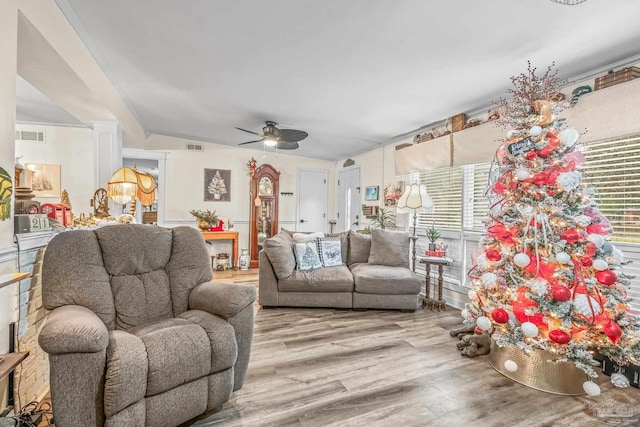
x=29, y=135
x=194, y=147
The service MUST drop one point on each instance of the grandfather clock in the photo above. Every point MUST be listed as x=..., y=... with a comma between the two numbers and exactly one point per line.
x=264, y=209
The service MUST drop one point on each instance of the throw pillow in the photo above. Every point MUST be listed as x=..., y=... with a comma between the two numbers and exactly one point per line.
x=279, y=250
x=359, y=246
x=330, y=251
x=344, y=243
x=307, y=256
x=390, y=248
x=306, y=237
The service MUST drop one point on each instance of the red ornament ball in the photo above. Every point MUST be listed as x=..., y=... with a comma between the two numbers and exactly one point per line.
x=571, y=235
x=540, y=178
x=493, y=255
x=612, y=331
x=477, y=331
x=500, y=315
x=606, y=277
x=590, y=249
x=560, y=293
x=531, y=155
x=586, y=262
x=559, y=336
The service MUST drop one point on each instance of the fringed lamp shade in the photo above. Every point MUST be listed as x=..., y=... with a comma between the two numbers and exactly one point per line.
x=146, y=188
x=122, y=186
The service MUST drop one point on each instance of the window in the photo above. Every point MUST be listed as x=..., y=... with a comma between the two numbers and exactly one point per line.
x=444, y=185
x=612, y=168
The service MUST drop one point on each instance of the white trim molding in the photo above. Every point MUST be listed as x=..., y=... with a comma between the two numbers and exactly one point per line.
x=8, y=253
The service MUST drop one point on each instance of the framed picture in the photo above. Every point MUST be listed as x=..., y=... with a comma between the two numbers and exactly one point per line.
x=392, y=192
x=371, y=193
x=217, y=185
x=44, y=178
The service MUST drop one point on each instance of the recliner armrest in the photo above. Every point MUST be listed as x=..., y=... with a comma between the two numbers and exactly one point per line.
x=73, y=329
x=223, y=299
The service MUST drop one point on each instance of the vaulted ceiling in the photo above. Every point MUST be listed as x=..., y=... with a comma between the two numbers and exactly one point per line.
x=353, y=74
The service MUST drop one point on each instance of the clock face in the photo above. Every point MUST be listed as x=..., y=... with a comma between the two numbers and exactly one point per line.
x=32, y=209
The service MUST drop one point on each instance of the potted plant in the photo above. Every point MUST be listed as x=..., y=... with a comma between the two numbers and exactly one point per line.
x=433, y=234
x=383, y=219
x=206, y=218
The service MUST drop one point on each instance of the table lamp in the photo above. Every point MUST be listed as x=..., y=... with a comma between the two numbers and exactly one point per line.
x=415, y=197
x=126, y=184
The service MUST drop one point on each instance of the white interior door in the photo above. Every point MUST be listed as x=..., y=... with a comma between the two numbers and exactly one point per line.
x=312, y=200
x=348, y=200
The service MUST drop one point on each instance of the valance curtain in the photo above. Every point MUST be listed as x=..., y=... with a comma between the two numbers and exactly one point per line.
x=607, y=113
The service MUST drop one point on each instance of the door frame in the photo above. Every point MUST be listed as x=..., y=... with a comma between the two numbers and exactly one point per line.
x=326, y=199
x=161, y=157
x=337, y=197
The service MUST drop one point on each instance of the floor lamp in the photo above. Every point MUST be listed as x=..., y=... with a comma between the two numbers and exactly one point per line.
x=415, y=197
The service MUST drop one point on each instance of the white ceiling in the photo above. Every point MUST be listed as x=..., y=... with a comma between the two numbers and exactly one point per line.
x=353, y=74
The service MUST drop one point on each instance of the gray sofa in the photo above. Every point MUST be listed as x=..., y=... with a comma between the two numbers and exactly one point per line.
x=138, y=334
x=375, y=274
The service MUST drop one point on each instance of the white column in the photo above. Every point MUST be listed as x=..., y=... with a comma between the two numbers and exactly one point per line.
x=108, y=156
x=8, y=70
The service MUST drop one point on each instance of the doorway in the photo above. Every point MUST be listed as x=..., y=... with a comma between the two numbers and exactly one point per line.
x=312, y=200
x=348, y=199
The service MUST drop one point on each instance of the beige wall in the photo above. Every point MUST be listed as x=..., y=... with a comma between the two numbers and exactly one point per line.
x=73, y=149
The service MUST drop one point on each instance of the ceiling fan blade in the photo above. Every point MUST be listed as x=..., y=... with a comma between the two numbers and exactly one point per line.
x=283, y=145
x=248, y=131
x=250, y=142
x=292, y=135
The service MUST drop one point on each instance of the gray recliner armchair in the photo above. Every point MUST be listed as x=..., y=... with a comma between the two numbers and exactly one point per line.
x=138, y=334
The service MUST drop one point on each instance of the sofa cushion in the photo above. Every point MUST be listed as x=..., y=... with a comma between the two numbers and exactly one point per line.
x=307, y=257
x=141, y=298
x=330, y=279
x=390, y=248
x=178, y=352
x=279, y=250
x=382, y=279
x=359, y=247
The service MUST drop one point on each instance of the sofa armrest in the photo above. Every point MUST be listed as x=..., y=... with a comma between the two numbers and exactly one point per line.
x=223, y=299
x=73, y=329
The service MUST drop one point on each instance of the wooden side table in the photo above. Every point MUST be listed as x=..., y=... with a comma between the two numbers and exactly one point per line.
x=439, y=302
x=224, y=235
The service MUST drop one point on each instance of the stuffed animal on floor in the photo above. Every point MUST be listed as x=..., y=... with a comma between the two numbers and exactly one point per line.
x=475, y=345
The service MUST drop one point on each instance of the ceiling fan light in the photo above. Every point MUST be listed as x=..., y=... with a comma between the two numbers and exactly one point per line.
x=269, y=142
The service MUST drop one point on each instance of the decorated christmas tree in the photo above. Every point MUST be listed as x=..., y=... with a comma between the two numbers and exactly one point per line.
x=217, y=186
x=547, y=277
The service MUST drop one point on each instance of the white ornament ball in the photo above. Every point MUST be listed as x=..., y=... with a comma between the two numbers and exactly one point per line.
x=619, y=380
x=568, y=137
x=529, y=329
x=522, y=174
x=510, y=365
x=483, y=262
x=471, y=294
x=600, y=264
x=617, y=255
x=522, y=260
x=489, y=279
x=596, y=239
x=535, y=131
x=569, y=180
x=591, y=388
x=483, y=323
x=563, y=258
x=583, y=220
x=586, y=305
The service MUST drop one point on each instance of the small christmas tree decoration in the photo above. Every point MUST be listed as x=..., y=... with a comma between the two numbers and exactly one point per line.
x=217, y=187
x=547, y=281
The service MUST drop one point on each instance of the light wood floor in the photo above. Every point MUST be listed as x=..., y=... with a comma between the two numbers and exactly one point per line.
x=324, y=367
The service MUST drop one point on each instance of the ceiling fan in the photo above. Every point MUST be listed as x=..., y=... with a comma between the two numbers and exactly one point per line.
x=273, y=136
